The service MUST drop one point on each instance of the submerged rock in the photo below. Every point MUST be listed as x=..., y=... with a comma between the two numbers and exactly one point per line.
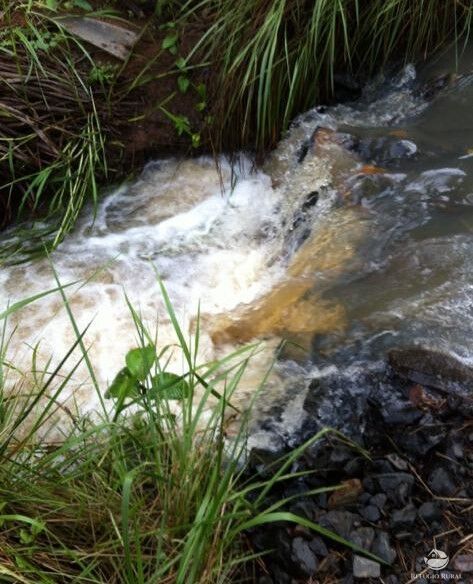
x=432, y=368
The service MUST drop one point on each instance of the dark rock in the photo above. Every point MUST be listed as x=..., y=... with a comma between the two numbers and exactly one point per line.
x=371, y=513
x=441, y=482
x=419, y=443
x=364, y=498
x=317, y=545
x=303, y=556
x=397, y=485
x=353, y=466
x=430, y=512
x=403, y=518
x=382, y=548
x=304, y=508
x=396, y=411
x=339, y=521
x=382, y=466
x=365, y=568
x=363, y=537
x=279, y=575
x=391, y=579
x=379, y=500
x=432, y=368
x=265, y=580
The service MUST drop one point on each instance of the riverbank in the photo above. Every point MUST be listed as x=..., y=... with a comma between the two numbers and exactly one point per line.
x=408, y=492
x=161, y=84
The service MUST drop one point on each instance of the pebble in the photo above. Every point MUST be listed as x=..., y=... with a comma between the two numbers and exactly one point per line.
x=441, y=483
x=317, y=545
x=379, y=500
x=371, y=513
x=365, y=568
x=382, y=548
x=404, y=518
x=363, y=537
x=339, y=521
x=396, y=485
x=303, y=556
x=430, y=511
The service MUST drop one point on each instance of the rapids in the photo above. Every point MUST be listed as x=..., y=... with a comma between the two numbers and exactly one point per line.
x=354, y=237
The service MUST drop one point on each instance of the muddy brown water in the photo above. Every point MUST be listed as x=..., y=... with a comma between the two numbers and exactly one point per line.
x=382, y=258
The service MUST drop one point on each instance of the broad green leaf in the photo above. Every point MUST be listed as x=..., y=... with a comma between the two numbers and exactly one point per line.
x=181, y=64
x=139, y=361
x=183, y=83
x=202, y=91
x=124, y=385
x=170, y=386
x=169, y=41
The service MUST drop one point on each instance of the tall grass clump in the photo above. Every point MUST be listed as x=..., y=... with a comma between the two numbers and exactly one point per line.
x=56, y=125
x=149, y=491
x=275, y=59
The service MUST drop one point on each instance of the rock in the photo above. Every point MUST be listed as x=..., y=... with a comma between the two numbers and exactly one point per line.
x=371, y=513
x=441, y=482
x=432, y=368
x=382, y=548
x=339, y=521
x=379, y=500
x=421, y=442
x=396, y=485
x=353, y=466
x=391, y=580
x=363, y=537
x=430, y=512
x=304, y=508
x=365, y=568
x=303, y=556
x=463, y=563
x=265, y=580
x=317, y=545
x=403, y=518
x=348, y=493
x=279, y=575
x=397, y=411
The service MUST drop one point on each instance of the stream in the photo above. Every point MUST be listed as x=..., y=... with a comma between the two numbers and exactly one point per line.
x=354, y=237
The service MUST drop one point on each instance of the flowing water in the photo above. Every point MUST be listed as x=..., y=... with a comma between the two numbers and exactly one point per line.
x=356, y=236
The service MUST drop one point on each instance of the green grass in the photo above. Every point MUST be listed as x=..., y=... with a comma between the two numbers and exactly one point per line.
x=149, y=491
x=54, y=126
x=276, y=59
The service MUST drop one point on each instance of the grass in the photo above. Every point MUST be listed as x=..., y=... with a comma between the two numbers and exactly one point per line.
x=276, y=59
x=55, y=125
x=150, y=491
